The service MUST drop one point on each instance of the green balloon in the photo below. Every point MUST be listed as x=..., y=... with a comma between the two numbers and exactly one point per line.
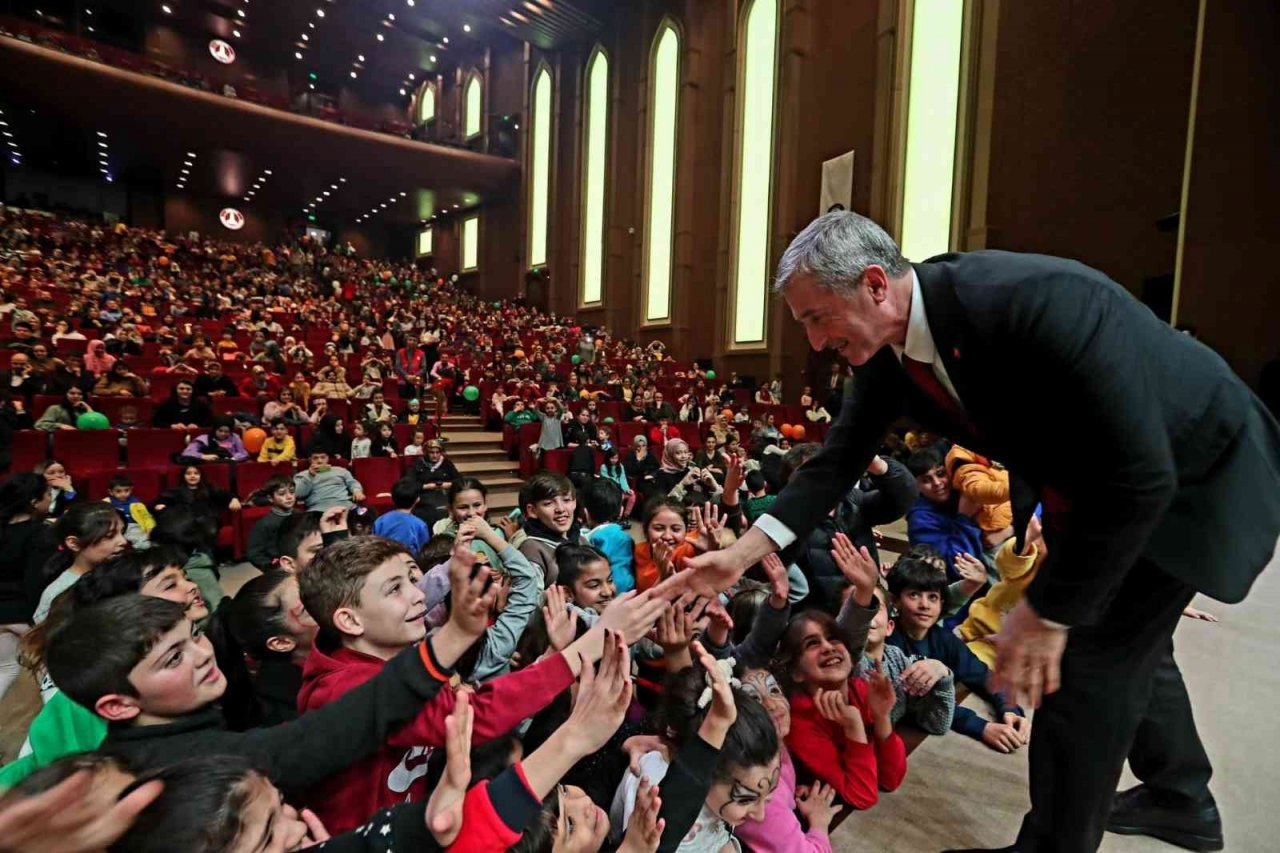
x=576, y=359
x=608, y=420
x=92, y=420
x=471, y=393
x=711, y=374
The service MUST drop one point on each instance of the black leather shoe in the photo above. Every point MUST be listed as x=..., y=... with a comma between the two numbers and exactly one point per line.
x=1192, y=826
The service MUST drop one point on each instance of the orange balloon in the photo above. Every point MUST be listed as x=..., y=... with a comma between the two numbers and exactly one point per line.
x=727, y=414
x=164, y=260
x=518, y=353
x=785, y=429
x=797, y=432
x=253, y=439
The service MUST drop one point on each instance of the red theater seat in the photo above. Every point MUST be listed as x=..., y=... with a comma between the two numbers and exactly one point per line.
x=85, y=451
x=154, y=448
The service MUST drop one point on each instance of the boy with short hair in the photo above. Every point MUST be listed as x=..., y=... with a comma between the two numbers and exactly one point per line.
x=262, y=548
x=323, y=486
x=279, y=446
x=759, y=500
x=363, y=598
x=936, y=519
x=303, y=536
x=401, y=525
x=917, y=592
x=549, y=504
x=140, y=664
x=601, y=503
x=133, y=513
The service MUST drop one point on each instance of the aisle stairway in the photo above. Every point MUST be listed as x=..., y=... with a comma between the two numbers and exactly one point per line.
x=478, y=453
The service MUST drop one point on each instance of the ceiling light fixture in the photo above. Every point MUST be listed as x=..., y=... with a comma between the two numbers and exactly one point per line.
x=319, y=13
x=380, y=38
x=166, y=10
x=235, y=33
x=353, y=75
x=466, y=28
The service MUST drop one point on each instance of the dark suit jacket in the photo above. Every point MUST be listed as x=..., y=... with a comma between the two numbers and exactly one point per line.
x=1151, y=446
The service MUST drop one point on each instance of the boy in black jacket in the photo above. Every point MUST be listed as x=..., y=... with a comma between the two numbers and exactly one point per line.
x=140, y=664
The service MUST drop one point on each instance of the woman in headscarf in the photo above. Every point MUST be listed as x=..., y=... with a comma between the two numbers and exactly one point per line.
x=677, y=478
x=332, y=436
x=97, y=360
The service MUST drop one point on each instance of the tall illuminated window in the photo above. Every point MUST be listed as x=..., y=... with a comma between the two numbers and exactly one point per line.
x=595, y=155
x=426, y=103
x=426, y=242
x=933, y=94
x=759, y=61
x=470, y=243
x=472, y=106
x=540, y=168
x=664, y=98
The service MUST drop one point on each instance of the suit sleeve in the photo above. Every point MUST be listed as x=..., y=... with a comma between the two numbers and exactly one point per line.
x=820, y=483
x=1079, y=339
x=892, y=495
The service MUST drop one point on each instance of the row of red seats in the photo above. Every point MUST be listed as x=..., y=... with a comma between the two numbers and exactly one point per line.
x=88, y=451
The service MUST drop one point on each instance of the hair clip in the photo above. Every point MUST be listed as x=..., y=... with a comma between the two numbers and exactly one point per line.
x=725, y=665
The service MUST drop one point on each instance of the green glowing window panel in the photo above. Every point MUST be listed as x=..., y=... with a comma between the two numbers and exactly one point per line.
x=933, y=96
x=426, y=104
x=664, y=82
x=595, y=156
x=470, y=243
x=540, y=169
x=471, y=111
x=755, y=171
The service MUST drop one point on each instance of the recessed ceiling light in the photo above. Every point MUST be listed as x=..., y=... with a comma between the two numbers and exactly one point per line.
x=311, y=24
x=391, y=16
x=353, y=75
x=306, y=37
x=240, y=12
x=235, y=33
x=342, y=180
x=325, y=193
x=266, y=171
x=433, y=57
x=402, y=195
x=359, y=57
x=103, y=135
x=380, y=38
x=402, y=91
x=410, y=76
x=166, y=10
x=297, y=54
x=445, y=40
x=100, y=144
x=191, y=153
x=311, y=86
x=333, y=186
x=319, y=13
x=466, y=28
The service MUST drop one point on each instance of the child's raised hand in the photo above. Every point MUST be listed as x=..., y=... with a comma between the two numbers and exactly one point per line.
x=708, y=521
x=880, y=694
x=508, y=526
x=857, y=566
x=724, y=710
x=638, y=746
x=733, y=474
x=562, y=622
x=674, y=630
x=645, y=830
x=473, y=593
x=444, y=809
x=779, y=583
x=833, y=706
x=334, y=519
x=720, y=623
x=971, y=570
x=814, y=802
x=602, y=699
x=662, y=554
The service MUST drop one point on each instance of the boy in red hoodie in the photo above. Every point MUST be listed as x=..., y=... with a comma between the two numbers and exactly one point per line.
x=361, y=594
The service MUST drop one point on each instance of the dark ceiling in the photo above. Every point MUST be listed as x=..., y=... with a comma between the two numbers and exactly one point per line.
x=146, y=130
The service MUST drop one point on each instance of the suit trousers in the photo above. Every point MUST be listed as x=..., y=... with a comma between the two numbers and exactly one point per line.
x=1121, y=695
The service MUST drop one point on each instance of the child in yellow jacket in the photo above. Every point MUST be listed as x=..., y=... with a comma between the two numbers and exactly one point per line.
x=137, y=519
x=1017, y=570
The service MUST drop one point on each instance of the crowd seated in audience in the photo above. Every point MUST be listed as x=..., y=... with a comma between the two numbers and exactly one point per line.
x=204, y=401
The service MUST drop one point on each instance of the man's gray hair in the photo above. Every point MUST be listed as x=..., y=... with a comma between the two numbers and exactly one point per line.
x=835, y=249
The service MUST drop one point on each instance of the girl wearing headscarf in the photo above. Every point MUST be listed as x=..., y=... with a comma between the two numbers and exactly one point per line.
x=97, y=360
x=678, y=479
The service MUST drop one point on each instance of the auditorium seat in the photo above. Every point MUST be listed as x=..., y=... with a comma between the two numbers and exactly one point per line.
x=85, y=451
x=112, y=406
x=377, y=475
x=154, y=448
x=30, y=447
x=250, y=476
x=147, y=483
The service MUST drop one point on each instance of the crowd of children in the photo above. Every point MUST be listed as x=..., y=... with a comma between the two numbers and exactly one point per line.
x=427, y=678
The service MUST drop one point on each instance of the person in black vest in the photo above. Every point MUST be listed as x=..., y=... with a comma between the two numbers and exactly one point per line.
x=1179, y=495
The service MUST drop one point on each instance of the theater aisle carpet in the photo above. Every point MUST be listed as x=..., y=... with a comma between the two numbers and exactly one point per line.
x=959, y=794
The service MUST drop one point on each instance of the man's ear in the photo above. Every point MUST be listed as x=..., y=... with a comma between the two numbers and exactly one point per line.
x=348, y=622
x=287, y=564
x=117, y=708
x=281, y=644
x=877, y=282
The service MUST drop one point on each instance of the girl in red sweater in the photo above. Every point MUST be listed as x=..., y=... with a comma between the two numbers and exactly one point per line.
x=840, y=726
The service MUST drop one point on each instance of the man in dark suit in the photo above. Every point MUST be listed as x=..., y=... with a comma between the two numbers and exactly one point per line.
x=1158, y=471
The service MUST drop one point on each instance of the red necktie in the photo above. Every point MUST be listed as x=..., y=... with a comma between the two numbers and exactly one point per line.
x=927, y=381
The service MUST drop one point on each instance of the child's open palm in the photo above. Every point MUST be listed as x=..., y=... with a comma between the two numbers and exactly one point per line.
x=855, y=564
x=880, y=694
x=444, y=809
x=779, y=583
x=645, y=829
x=562, y=622
x=724, y=710
x=709, y=522
x=814, y=802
